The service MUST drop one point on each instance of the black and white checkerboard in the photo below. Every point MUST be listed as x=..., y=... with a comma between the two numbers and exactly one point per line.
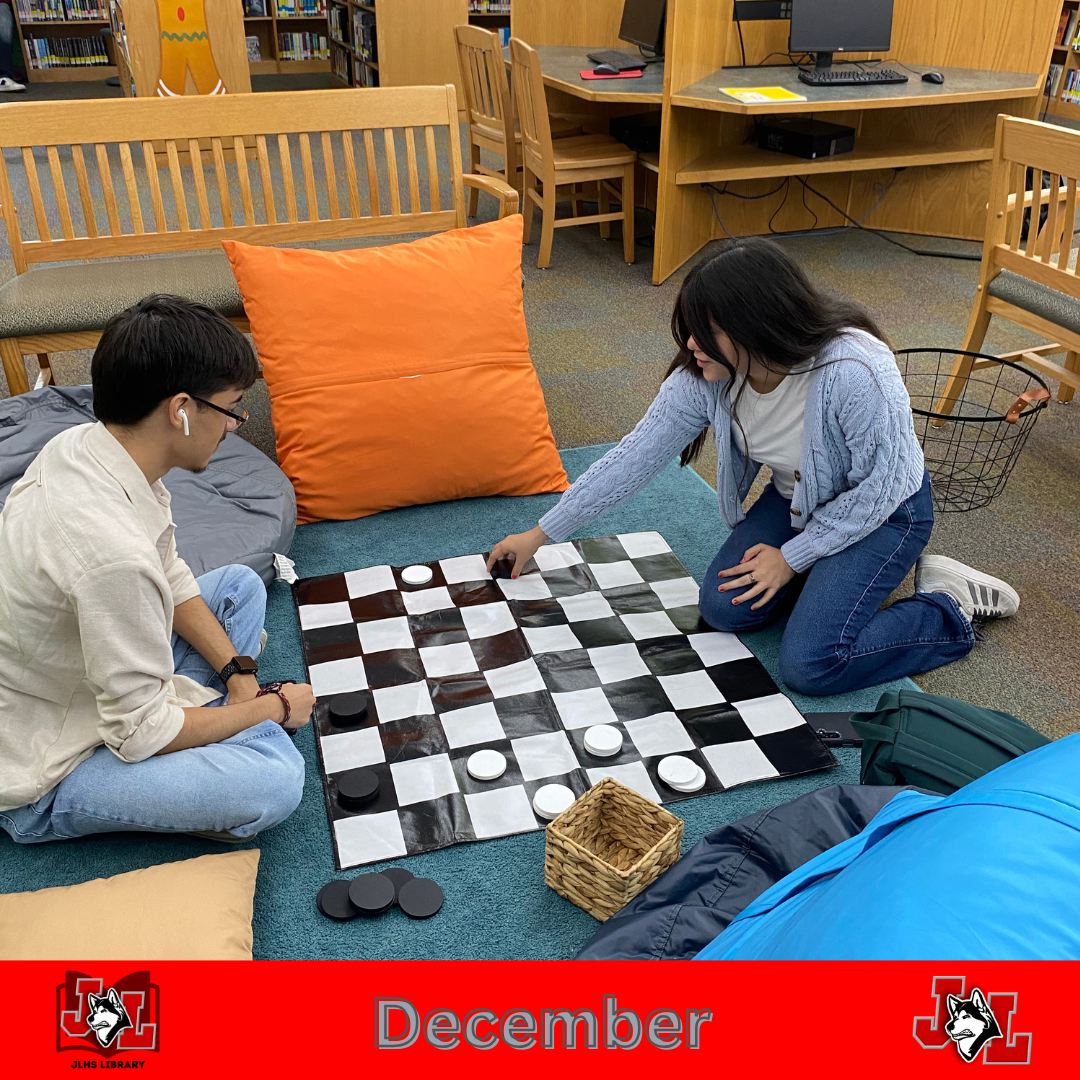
x=602, y=630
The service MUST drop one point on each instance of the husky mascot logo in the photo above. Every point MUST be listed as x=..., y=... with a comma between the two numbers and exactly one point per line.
x=105, y=1013
x=971, y=1025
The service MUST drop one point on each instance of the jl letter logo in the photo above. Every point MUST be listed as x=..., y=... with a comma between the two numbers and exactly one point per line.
x=979, y=1024
x=107, y=1017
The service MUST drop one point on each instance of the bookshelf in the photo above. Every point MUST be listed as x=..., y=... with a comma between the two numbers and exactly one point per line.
x=1062, y=94
x=289, y=37
x=405, y=42
x=61, y=40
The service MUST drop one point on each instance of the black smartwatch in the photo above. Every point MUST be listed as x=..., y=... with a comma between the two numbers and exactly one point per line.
x=238, y=665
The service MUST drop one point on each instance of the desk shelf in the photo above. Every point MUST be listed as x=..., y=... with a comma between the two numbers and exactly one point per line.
x=747, y=162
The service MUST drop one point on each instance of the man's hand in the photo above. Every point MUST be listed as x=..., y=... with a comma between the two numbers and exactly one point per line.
x=301, y=702
x=242, y=688
x=522, y=546
x=764, y=569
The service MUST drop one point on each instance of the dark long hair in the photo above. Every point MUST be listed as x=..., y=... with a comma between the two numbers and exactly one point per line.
x=761, y=298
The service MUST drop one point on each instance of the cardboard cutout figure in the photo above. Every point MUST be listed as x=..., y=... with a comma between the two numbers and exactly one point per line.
x=185, y=45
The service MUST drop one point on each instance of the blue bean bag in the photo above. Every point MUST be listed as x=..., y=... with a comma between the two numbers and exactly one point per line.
x=991, y=872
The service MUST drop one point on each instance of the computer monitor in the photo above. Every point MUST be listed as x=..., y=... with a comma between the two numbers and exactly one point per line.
x=827, y=26
x=643, y=24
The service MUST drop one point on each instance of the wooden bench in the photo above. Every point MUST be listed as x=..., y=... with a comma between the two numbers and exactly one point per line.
x=82, y=188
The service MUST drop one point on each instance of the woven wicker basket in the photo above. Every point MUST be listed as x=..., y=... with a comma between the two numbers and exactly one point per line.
x=607, y=847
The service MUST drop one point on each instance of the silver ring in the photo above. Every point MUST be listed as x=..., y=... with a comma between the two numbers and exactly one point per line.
x=753, y=580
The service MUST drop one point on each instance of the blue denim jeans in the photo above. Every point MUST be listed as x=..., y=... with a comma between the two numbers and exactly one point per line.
x=7, y=41
x=240, y=786
x=838, y=637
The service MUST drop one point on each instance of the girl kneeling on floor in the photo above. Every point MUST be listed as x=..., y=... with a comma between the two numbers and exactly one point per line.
x=789, y=377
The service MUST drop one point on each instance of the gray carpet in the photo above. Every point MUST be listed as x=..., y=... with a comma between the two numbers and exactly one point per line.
x=600, y=339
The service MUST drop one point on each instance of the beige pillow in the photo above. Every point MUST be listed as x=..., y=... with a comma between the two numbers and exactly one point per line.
x=198, y=909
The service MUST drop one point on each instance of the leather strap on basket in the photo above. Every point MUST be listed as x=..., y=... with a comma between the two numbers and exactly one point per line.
x=1040, y=393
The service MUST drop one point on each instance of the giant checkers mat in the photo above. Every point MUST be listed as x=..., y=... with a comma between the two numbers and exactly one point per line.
x=595, y=631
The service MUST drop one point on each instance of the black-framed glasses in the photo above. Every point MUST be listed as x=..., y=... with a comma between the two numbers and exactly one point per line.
x=240, y=417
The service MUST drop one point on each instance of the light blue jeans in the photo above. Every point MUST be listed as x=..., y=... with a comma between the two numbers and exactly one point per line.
x=240, y=786
x=7, y=41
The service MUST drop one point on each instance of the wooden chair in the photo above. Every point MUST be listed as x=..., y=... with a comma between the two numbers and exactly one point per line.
x=283, y=168
x=1030, y=283
x=489, y=112
x=578, y=160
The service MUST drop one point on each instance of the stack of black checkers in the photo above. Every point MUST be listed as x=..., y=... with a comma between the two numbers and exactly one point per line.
x=372, y=894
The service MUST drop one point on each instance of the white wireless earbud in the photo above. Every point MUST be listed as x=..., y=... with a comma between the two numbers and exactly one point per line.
x=183, y=416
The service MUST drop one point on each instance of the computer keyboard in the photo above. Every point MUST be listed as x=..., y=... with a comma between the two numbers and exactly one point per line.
x=620, y=61
x=849, y=76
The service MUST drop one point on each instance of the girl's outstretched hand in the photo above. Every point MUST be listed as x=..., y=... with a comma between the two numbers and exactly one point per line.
x=762, y=571
x=520, y=547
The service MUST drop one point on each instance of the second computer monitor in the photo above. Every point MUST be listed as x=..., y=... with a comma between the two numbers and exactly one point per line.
x=827, y=26
x=643, y=24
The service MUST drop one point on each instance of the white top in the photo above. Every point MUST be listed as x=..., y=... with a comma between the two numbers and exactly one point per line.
x=89, y=578
x=773, y=424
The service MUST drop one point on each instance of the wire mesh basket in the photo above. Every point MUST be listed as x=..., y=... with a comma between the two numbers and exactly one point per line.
x=971, y=449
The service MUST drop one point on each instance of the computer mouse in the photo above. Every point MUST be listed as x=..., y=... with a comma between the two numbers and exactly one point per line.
x=934, y=77
x=605, y=69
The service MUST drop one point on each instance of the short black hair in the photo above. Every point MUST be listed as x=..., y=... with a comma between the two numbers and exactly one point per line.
x=163, y=346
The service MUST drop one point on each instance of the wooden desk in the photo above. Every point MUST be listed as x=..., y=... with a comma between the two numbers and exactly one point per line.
x=561, y=66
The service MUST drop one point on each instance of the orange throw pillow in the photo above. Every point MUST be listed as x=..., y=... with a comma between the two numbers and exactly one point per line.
x=400, y=375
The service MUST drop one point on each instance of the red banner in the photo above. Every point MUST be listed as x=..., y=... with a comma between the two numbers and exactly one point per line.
x=313, y=1019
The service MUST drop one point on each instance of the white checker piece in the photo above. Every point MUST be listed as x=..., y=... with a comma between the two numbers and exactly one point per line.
x=401, y=702
x=381, y=635
x=545, y=639
x=613, y=663
x=583, y=607
x=764, y=715
x=422, y=779
x=371, y=580
x=352, y=750
x=557, y=556
x=369, y=838
x=650, y=624
x=692, y=690
x=526, y=587
x=642, y=544
x=426, y=600
x=472, y=725
x=314, y=616
x=501, y=812
x=521, y=678
x=487, y=620
x=442, y=660
x=338, y=676
x=738, y=762
x=464, y=568
x=634, y=776
x=718, y=648
x=678, y=592
x=657, y=735
x=614, y=575
x=583, y=708
x=549, y=754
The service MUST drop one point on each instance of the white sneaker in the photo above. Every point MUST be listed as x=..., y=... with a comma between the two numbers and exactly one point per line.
x=10, y=86
x=979, y=595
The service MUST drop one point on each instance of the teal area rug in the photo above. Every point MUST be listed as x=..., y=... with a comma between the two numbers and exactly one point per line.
x=497, y=906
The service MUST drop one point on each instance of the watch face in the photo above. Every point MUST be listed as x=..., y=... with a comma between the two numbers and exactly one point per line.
x=245, y=665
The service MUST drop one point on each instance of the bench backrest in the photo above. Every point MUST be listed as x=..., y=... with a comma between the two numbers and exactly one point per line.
x=98, y=179
x=1023, y=145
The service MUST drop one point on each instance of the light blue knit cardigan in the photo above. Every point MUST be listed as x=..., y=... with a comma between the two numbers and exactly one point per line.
x=860, y=456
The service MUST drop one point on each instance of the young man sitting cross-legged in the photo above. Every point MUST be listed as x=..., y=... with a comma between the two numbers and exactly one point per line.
x=113, y=657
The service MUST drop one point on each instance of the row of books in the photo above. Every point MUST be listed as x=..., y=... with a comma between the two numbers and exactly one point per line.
x=489, y=7
x=364, y=75
x=338, y=18
x=303, y=47
x=292, y=9
x=339, y=64
x=1066, y=31
x=365, y=41
x=59, y=10
x=66, y=52
x=1071, y=90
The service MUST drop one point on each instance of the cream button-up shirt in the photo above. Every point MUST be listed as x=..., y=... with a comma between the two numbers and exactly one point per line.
x=89, y=578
